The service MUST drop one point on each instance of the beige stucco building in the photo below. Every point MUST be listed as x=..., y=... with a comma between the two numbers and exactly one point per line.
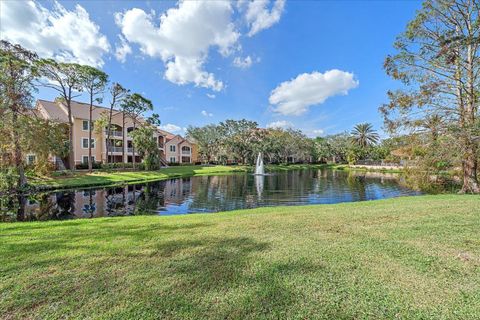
x=121, y=148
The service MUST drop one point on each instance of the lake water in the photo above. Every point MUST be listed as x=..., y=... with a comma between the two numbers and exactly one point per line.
x=205, y=194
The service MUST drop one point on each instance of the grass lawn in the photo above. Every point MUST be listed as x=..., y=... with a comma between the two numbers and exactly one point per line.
x=403, y=258
x=100, y=178
x=85, y=179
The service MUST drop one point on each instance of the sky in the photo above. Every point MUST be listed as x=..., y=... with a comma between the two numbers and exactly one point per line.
x=309, y=65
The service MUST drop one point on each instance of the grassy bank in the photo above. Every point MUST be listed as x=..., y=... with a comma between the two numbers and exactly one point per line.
x=101, y=178
x=404, y=258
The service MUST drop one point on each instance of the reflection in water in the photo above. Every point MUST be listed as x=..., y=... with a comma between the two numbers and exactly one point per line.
x=205, y=194
x=259, y=183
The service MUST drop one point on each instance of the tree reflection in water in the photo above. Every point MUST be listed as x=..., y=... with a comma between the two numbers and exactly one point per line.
x=205, y=194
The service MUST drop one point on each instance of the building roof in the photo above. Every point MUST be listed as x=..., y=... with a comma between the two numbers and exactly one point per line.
x=80, y=110
x=51, y=110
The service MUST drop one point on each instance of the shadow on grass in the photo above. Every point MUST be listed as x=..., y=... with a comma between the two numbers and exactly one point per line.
x=201, y=277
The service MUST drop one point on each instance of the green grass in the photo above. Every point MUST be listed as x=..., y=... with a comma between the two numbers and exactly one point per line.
x=404, y=258
x=102, y=178
x=84, y=179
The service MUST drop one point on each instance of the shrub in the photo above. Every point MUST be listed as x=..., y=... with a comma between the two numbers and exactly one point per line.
x=82, y=166
x=8, y=178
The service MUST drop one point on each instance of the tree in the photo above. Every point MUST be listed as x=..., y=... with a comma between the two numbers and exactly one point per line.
x=236, y=136
x=208, y=140
x=135, y=105
x=44, y=138
x=144, y=139
x=17, y=73
x=438, y=61
x=364, y=136
x=93, y=82
x=117, y=94
x=65, y=78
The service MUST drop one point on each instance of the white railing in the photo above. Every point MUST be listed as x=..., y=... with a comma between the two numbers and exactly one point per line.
x=130, y=150
x=115, y=149
x=114, y=133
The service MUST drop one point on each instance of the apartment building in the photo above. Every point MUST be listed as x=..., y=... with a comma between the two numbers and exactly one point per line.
x=120, y=148
x=180, y=150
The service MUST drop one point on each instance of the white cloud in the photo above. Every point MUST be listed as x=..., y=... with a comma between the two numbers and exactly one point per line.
x=183, y=37
x=260, y=17
x=242, y=62
x=122, y=50
x=171, y=128
x=68, y=36
x=206, y=114
x=281, y=124
x=294, y=97
x=318, y=131
x=211, y=96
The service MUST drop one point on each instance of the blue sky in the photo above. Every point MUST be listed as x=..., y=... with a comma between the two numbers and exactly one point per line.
x=186, y=61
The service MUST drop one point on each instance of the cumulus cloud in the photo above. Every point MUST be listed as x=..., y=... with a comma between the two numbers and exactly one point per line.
x=294, y=97
x=183, y=37
x=68, y=36
x=281, y=124
x=171, y=128
x=211, y=96
x=122, y=49
x=242, y=62
x=206, y=114
x=260, y=17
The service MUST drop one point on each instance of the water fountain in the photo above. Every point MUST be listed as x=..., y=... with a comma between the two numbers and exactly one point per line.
x=259, y=168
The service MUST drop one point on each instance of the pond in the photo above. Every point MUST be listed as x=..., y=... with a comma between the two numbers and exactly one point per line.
x=205, y=194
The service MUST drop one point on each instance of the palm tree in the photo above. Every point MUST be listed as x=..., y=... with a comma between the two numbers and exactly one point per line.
x=364, y=135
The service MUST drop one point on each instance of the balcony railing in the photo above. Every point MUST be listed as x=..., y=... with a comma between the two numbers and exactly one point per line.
x=186, y=152
x=130, y=150
x=115, y=149
x=115, y=133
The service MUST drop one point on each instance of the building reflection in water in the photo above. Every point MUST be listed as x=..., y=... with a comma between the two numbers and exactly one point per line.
x=205, y=194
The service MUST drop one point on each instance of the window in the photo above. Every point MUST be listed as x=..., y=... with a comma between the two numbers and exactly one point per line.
x=186, y=160
x=85, y=125
x=186, y=149
x=31, y=158
x=85, y=143
x=85, y=159
x=172, y=159
x=172, y=148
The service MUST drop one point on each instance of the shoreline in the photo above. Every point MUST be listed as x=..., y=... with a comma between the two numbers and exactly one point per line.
x=114, y=178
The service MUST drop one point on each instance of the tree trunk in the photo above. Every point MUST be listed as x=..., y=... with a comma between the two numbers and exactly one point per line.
x=90, y=165
x=17, y=154
x=108, y=132
x=469, y=166
x=133, y=148
x=469, y=163
x=124, y=141
x=71, y=155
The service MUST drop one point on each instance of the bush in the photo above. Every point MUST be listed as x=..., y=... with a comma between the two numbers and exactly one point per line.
x=8, y=179
x=82, y=166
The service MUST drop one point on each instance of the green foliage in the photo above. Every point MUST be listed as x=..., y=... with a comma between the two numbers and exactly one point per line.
x=242, y=140
x=146, y=145
x=8, y=178
x=364, y=136
x=437, y=58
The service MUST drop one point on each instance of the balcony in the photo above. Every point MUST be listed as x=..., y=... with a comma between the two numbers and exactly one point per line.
x=117, y=133
x=186, y=152
x=115, y=149
x=130, y=150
